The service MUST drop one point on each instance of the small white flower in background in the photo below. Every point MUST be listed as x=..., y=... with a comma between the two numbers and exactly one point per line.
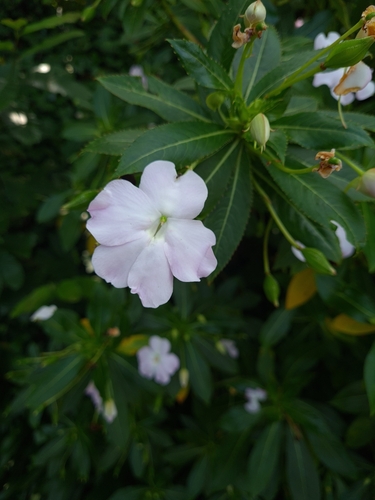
x=156, y=362
x=254, y=396
x=147, y=235
x=339, y=84
x=137, y=70
x=43, y=313
x=18, y=118
x=42, y=68
x=109, y=410
x=347, y=249
x=230, y=347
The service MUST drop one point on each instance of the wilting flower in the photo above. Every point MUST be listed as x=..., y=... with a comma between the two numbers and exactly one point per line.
x=347, y=249
x=328, y=163
x=156, y=362
x=240, y=38
x=230, y=347
x=109, y=410
x=43, y=313
x=254, y=396
x=147, y=234
x=363, y=88
x=368, y=29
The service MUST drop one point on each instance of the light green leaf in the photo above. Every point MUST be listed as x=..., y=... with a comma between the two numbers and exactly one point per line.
x=113, y=144
x=228, y=220
x=207, y=72
x=166, y=101
x=51, y=22
x=264, y=458
x=369, y=375
x=278, y=142
x=52, y=42
x=15, y=24
x=182, y=145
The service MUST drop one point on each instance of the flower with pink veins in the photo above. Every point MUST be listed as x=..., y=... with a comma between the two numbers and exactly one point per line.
x=147, y=235
x=156, y=362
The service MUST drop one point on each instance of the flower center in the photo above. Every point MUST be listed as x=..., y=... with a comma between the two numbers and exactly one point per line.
x=163, y=219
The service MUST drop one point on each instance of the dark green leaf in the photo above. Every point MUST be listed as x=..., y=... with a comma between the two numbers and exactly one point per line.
x=113, y=144
x=37, y=298
x=200, y=375
x=52, y=22
x=182, y=145
x=11, y=271
x=52, y=41
x=276, y=327
x=352, y=399
x=207, y=72
x=369, y=376
x=369, y=217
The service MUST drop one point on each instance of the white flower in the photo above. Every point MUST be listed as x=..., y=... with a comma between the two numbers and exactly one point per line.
x=253, y=397
x=156, y=362
x=43, y=313
x=230, y=347
x=109, y=410
x=147, y=234
x=347, y=249
x=332, y=79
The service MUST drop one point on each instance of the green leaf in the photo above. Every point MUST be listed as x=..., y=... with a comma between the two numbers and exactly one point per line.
x=276, y=327
x=207, y=72
x=322, y=202
x=301, y=472
x=7, y=46
x=200, y=375
x=264, y=458
x=81, y=200
x=237, y=419
x=180, y=144
x=216, y=172
x=50, y=208
x=113, y=144
x=52, y=22
x=352, y=399
x=214, y=357
x=70, y=230
x=361, y=119
x=220, y=42
x=37, y=298
x=229, y=219
x=301, y=104
x=130, y=493
x=197, y=476
x=54, y=380
x=369, y=218
x=15, y=24
x=52, y=42
x=11, y=271
x=163, y=99
x=8, y=85
x=319, y=132
x=278, y=142
x=369, y=376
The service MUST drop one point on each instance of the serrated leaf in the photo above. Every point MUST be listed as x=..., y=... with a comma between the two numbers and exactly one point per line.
x=318, y=132
x=228, y=220
x=301, y=289
x=301, y=104
x=180, y=144
x=322, y=202
x=163, y=99
x=369, y=376
x=361, y=119
x=113, y=144
x=220, y=42
x=278, y=142
x=264, y=458
x=207, y=72
x=301, y=472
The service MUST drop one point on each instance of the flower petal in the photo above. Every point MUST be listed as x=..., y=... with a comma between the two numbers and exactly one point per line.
x=113, y=264
x=355, y=79
x=321, y=41
x=366, y=92
x=151, y=277
x=347, y=249
x=187, y=247
x=146, y=364
x=168, y=366
x=159, y=345
x=297, y=253
x=180, y=197
x=121, y=213
x=329, y=78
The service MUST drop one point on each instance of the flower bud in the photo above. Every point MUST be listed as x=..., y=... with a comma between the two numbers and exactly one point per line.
x=348, y=53
x=356, y=78
x=367, y=183
x=215, y=100
x=110, y=410
x=183, y=376
x=260, y=129
x=271, y=289
x=255, y=13
x=317, y=261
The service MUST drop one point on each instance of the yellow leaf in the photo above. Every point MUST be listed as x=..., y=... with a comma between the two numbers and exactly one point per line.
x=301, y=288
x=85, y=322
x=91, y=244
x=132, y=344
x=182, y=394
x=345, y=324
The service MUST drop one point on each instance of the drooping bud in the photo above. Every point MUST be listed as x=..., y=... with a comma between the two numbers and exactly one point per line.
x=317, y=261
x=328, y=163
x=348, y=53
x=255, y=13
x=367, y=183
x=356, y=78
x=271, y=289
x=260, y=129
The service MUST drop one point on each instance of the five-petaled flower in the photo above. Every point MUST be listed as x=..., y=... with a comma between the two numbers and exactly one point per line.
x=156, y=362
x=254, y=396
x=147, y=235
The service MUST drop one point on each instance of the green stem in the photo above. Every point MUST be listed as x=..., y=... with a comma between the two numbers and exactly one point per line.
x=291, y=79
x=341, y=115
x=275, y=217
x=266, y=261
x=239, y=77
x=187, y=34
x=268, y=156
x=349, y=162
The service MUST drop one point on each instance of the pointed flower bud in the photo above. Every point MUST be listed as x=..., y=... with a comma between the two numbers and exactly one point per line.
x=260, y=129
x=271, y=289
x=367, y=183
x=356, y=78
x=317, y=261
x=110, y=410
x=348, y=53
x=255, y=13
x=328, y=163
x=184, y=376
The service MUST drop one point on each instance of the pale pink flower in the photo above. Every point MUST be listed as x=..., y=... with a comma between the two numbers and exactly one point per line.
x=156, y=362
x=230, y=347
x=43, y=313
x=147, y=234
x=347, y=249
x=362, y=75
x=254, y=396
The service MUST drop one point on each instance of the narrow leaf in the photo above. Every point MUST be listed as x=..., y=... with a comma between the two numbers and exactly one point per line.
x=52, y=42
x=52, y=22
x=113, y=144
x=369, y=375
x=276, y=327
x=200, y=375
